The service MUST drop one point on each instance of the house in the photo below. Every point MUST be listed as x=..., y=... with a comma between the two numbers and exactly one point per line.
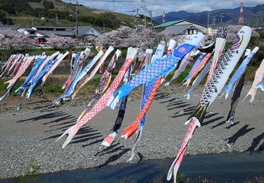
x=86, y=32
x=30, y=32
x=83, y=31
x=12, y=27
x=180, y=27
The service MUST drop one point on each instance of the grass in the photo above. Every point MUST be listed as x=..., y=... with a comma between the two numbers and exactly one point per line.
x=181, y=77
x=32, y=174
x=3, y=86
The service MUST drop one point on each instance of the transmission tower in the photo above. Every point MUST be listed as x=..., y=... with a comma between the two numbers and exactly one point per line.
x=163, y=17
x=241, y=19
x=144, y=8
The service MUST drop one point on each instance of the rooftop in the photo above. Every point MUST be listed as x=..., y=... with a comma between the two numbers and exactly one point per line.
x=166, y=24
x=173, y=22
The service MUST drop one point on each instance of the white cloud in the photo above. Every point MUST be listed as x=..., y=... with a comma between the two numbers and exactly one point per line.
x=157, y=6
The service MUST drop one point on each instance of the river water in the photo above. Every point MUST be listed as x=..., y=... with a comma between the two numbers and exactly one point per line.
x=232, y=167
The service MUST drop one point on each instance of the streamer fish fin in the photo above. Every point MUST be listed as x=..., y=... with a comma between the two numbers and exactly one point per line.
x=258, y=76
x=261, y=84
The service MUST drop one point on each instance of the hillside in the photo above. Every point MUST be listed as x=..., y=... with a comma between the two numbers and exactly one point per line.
x=56, y=12
x=253, y=16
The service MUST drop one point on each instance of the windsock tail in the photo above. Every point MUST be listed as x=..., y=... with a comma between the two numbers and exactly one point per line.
x=9, y=83
x=57, y=101
x=71, y=133
x=167, y=84
x=23, y=93
x=19, y=90
x=227, y=91
x=188, y=94
x=186, y=82
x=260, y=85
x=4, y=95
x=199, y=113
x=20, y=105
x=109, y=139
x=73, y=95
x=9, y=90
x=252, y=97
x=177, y=162
x=120, y=93
x=113, y=105
x=162, y=80
x=134, y=148
x=130, y=130
x=230, y=117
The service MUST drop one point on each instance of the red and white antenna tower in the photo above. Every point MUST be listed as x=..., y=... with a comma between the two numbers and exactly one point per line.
x=241, y=19
x=163, y=17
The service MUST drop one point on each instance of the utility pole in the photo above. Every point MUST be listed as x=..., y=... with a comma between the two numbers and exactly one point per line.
x=137, y=19
x=213, y=24
x=76, y=22
x=221, y=18
x=208, y=23
x=150, y=14
x=144, y=7
x=57, y=21
x=213, y=27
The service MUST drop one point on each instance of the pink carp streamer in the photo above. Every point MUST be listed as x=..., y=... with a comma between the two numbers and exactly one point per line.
x=8, y=65
x=258, y=77
x=21, y=71
x=17, y=67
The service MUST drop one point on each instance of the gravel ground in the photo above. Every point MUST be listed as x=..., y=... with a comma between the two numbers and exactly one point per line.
x=31, y=133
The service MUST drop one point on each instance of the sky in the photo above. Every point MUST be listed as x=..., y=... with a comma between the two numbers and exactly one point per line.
x=157, y=6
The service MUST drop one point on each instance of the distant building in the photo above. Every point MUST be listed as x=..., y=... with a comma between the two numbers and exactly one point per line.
x=43, y=32
x=180, y=27
x=12, y=27
x=83, y=31
x=33, y=33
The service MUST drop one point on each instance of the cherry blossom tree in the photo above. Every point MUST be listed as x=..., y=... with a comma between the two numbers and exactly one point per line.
x=232, y=30
x=56, y=41
x=126, y=36
x=11, y=39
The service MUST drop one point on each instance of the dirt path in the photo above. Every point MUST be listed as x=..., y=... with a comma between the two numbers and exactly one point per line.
x=31, y=132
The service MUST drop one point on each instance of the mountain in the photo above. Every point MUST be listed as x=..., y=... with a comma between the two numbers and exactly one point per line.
x=59, y=13
x=171, y=16
x=253, y=16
